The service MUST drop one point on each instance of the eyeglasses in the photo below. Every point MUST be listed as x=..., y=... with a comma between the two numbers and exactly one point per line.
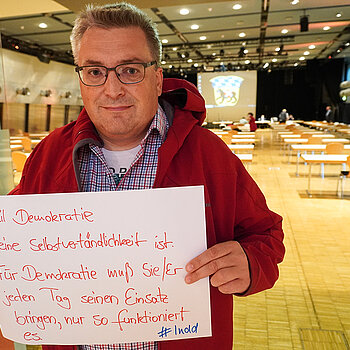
x=127, y=73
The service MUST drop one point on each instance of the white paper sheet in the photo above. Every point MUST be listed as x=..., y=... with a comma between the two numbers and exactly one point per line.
x=105, y=267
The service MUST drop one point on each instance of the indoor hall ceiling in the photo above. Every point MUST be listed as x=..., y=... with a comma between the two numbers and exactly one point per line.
x=224, y=46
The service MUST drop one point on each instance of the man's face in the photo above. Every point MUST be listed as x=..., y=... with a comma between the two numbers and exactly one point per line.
x=121, y=113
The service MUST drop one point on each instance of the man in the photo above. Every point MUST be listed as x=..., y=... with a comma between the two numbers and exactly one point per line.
x=136, y=121
x=283, y=116
x=329, y=114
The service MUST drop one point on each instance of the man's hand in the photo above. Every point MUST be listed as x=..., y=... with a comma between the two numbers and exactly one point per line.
x=228, y=265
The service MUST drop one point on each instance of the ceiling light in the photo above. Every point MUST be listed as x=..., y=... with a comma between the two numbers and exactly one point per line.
x=296, y=64
x=242, y=35
x=174, y=48
x=274, y=60
x=347, y=44
x=165, y=41
x=22, y=27
x=266, y=65
x=307, y=53
x=245, y=51
x=277, y=49
x=42, y=25
x=294, y=2
x=184, y=12
x=237, y=6
x=302, y=58
x=338, y=15
x=203, y=37
x=326, y=28
x=196, y=65
x=194, y=26
x=246, y=61
x=190, y=60
x=284, y=31
x=210, y=9
x=311, y=47
x=163, y=62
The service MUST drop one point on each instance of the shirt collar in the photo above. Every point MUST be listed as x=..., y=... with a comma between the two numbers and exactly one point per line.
x=159, y=123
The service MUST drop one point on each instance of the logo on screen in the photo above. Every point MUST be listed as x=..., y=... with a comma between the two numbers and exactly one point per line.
x=226, y=89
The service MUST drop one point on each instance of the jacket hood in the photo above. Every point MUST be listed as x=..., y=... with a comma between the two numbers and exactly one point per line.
x=184, y=95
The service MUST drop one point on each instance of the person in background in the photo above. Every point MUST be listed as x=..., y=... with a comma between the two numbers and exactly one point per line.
x=251, y=121
x=148, y=129
x=329, y=116
x=243, y=120
x=283, y=116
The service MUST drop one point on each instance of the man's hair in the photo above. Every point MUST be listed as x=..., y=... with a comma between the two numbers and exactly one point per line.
x=251, y=114
x=119, y=15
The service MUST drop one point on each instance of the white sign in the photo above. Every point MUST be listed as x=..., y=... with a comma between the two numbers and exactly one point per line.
x=103, y=267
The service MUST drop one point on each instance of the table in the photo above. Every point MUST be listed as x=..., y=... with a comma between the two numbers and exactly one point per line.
x=287, y=136
x=16, y=147
x=325, y=136
x=245, y=140
x=243, y=147
x=322, y=158
x=245, y=136
x=38, y=135
x=17, y=137
x=327, y=140
x=310, y=148
x=35, y=142
x=219, y=132
x=245, y=158
x=15, y=142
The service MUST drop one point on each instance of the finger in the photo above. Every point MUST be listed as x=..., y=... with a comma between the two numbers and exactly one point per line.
x=212, y=253
x=225, y=275
x=210, y=268
x=235, y=286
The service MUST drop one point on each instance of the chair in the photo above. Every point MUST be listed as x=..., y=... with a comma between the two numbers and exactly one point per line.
x=314, y=141
x=227, y=139
x=342, y=177
x=334, y=148
x=27, y=144
x=18, y=160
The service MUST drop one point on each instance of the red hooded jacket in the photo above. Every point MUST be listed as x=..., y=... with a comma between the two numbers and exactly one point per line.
x=191, y=155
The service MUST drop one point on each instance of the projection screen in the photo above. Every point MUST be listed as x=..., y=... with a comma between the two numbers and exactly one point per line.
x=228, y=95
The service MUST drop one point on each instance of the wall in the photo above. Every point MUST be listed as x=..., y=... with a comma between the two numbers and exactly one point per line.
x=18, y=71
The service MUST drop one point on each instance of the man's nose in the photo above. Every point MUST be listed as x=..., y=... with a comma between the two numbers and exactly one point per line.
x=113, y=86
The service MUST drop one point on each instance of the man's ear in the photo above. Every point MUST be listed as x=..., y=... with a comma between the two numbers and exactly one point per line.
x=159, y=75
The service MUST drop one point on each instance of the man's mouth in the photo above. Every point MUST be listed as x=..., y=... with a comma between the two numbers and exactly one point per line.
x=116, y=108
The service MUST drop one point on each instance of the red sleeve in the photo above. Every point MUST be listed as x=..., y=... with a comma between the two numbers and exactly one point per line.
x=259, y=231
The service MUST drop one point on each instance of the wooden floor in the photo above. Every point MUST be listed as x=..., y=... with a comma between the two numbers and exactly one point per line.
x=309, y=307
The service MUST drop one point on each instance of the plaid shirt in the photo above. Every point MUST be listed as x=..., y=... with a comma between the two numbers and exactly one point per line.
x=96, y=176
